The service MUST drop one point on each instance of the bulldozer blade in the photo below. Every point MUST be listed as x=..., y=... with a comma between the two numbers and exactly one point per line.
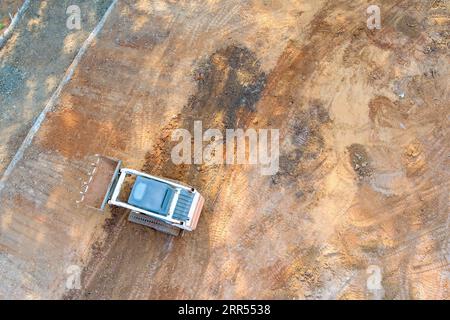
x=101, y=181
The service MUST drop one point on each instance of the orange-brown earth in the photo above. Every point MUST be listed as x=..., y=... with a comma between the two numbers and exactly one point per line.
x=363, y=177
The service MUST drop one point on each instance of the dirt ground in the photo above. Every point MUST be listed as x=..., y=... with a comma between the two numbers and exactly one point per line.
x=34, y=61
x=8, y=8
x=362, y=188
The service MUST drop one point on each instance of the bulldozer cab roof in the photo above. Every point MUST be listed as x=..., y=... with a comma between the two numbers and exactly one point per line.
x=151, y=195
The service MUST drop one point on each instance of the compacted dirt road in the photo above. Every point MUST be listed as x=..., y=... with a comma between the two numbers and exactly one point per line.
x=357, y=209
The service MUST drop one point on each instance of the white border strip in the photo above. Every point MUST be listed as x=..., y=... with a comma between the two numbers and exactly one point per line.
x=51, y=103
x=14, y=21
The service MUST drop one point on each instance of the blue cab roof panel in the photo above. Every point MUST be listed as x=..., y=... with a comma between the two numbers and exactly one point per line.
x=151, y=195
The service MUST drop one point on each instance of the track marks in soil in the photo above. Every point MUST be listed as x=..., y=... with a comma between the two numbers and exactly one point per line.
x=360, y=160
x=369, y=231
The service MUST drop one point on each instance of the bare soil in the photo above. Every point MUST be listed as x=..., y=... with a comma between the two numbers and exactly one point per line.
x=363, y=178
x=33, y=62
x=8, y=8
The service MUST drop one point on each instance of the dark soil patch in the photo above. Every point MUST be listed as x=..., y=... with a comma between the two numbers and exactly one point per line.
x=305, y=147
x=360, y=161
x=229, y=83
x=230, y=80
x=409, y=26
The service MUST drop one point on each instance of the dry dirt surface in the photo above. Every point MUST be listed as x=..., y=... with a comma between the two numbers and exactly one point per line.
x=33, y=62
x=357, y=210
x=8, y=8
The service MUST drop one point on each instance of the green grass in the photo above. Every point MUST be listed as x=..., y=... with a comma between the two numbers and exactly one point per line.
x=1, y=26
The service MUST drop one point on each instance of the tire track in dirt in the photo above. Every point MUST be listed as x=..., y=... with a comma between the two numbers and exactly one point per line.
x=295, y=65
x=281, y=243
x=216, y=92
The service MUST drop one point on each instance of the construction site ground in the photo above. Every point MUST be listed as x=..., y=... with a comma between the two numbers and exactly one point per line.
x=7, y=10
x=363, y=178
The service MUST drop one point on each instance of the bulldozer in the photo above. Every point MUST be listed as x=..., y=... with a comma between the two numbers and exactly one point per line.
x=163, y=204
